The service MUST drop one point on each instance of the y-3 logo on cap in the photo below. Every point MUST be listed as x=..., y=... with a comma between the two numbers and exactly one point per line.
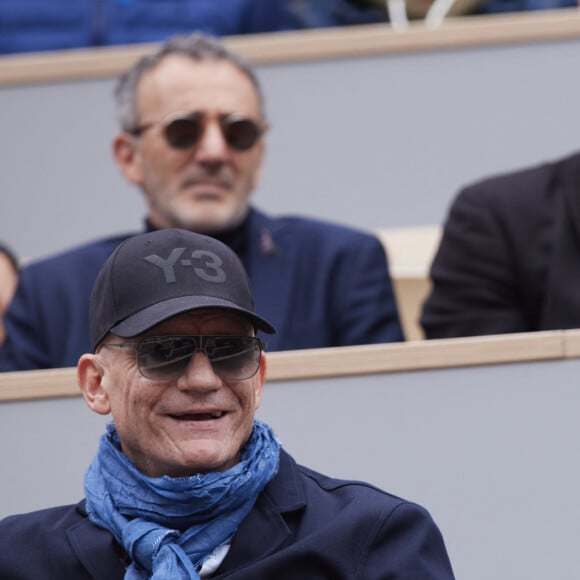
x=205, y=264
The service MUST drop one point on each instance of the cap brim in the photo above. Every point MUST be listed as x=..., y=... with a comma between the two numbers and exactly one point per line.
x=152, y=315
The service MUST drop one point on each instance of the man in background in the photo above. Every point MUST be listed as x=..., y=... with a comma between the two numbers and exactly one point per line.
x=192, y=140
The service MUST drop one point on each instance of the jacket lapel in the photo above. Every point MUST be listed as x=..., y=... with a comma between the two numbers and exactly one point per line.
x=571, y=190
x=271, y=267
x=265, y=528
x=561, y=303
x=95, y=549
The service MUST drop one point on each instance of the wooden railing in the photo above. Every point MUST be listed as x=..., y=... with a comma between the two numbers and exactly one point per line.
x=314, y=44
x=342, y=361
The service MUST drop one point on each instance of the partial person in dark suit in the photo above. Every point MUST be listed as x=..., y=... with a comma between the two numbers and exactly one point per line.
x=192, y=140
x=186, y=483
x=35, y=26
x=509, y=258
x=8, y=280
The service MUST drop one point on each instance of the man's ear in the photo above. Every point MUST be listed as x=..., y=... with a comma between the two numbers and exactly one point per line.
x=128, y=158
x=90, y=374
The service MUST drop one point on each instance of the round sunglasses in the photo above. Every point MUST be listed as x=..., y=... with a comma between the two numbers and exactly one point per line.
x=185, y=131
x=165, y=358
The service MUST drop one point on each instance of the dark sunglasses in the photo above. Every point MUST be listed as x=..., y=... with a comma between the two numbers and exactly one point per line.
x=165, y=358
x=240, y=133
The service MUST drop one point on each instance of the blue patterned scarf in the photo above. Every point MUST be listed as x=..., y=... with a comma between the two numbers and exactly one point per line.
x=145, y=515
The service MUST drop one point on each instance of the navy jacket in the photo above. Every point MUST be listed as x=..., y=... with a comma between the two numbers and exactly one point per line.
x=37, y=25
x=304, y=526
x=509, y=259
x=320, y=284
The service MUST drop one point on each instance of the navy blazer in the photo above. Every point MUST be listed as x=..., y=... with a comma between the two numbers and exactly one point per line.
x=304, y=526
x=320, y=285
x=61, y=24
x=509, y=259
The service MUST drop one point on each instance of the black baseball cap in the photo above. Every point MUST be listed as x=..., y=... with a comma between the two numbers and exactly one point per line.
x=154, y=276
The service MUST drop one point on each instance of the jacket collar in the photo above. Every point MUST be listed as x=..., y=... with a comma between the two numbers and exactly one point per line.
x=94, y=546
x=267, y=527
x=271, y=266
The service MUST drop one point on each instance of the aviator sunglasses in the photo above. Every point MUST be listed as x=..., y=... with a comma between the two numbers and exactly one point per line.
x=185, y=131
x=165, y=358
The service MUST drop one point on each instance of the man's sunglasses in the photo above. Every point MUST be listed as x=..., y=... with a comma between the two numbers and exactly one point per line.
x=165, y=358
x=184, y=132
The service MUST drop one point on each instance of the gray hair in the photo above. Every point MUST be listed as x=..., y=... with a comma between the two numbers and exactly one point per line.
x=197, y=46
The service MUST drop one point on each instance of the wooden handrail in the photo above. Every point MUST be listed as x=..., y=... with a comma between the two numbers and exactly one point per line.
x=329, y=43
x=343, y=361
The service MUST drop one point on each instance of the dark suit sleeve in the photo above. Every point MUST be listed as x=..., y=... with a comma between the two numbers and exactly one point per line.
x=47, y=323
x=23, y=348
x=57, y=543
x=365, y=309
x=474, y=286
x=406, y=545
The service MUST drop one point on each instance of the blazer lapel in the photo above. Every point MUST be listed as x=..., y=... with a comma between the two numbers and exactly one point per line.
x=271, y=264
x=571, y=190
x=94, y=547
x=561, y=308
x=265, y=528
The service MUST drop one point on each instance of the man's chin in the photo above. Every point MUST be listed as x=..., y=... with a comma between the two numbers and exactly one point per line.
x=211, y=222
x=202, y=218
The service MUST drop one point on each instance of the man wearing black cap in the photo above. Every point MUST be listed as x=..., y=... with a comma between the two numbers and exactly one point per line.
x=187, y=483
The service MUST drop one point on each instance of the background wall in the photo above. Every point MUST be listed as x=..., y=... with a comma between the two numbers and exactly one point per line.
x=375, y=141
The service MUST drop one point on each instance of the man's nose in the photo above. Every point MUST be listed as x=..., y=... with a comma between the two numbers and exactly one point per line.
x=212, y=145
x=199, y=374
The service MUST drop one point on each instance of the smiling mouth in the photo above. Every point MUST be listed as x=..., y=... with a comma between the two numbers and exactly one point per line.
x=198, y=416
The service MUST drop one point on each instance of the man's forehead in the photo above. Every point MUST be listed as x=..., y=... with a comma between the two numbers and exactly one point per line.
x=184, y=81
x=219, y=319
